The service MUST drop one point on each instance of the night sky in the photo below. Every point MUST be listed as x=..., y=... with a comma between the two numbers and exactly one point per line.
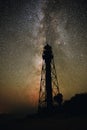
x=25, y=26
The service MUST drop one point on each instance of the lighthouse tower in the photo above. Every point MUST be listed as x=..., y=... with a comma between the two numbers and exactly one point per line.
x=49, y=94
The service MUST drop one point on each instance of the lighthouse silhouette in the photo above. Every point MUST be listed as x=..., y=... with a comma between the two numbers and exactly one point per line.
x=49, y=94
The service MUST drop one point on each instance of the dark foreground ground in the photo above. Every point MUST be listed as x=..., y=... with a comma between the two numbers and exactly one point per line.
x=72, y=115
x=43, y=123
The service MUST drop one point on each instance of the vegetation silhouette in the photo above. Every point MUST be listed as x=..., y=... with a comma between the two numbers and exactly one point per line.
x=77, y=105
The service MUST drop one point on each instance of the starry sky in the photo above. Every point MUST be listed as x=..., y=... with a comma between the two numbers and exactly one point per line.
x=25, y=26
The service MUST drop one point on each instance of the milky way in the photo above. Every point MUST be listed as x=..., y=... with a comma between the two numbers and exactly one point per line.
x=25, y=27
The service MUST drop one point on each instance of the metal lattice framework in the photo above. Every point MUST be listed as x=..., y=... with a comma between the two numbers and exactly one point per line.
x=54, y=82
